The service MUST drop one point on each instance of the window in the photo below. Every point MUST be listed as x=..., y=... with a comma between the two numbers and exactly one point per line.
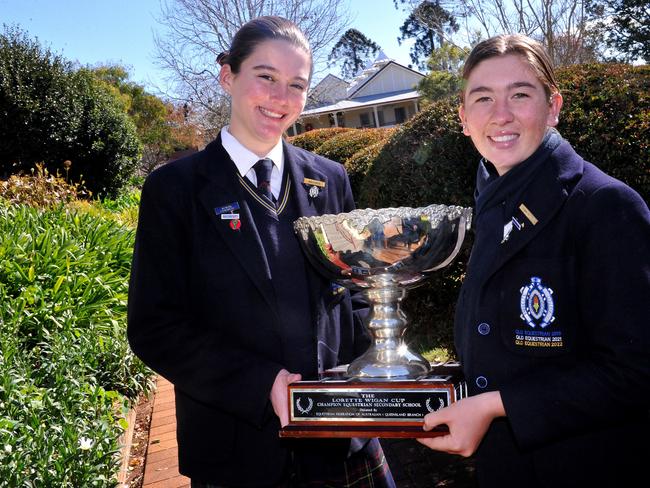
x=365, y=119
x=400, y=115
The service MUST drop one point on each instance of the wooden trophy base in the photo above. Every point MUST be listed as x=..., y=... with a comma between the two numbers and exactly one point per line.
x=335, y=406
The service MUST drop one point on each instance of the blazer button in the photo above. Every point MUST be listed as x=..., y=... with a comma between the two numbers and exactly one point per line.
x=481, y=382
x=483, y=328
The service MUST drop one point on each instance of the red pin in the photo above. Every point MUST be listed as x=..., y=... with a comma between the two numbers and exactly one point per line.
x=235, y=224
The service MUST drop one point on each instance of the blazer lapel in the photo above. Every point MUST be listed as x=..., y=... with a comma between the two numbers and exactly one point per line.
x=532, y=213
x=304, y=176
x=221, y=191
x=310, y=183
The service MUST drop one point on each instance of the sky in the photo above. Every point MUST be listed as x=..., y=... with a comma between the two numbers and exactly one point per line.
x=95, y=32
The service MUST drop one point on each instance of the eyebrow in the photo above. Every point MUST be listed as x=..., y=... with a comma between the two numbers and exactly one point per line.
x=516, y=84
x=266, y=67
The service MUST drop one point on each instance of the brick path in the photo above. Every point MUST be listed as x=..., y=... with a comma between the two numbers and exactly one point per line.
x=161, y=468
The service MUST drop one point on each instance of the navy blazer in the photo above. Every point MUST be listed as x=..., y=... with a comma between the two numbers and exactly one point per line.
x=569, y=353
x=202, y=312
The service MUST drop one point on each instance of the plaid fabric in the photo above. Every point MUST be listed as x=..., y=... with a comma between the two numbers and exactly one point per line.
x=367, y=468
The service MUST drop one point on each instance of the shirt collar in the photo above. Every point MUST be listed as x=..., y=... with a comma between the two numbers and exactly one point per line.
x=244, y=158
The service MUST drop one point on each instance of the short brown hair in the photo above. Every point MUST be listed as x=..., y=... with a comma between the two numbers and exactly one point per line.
x=529, y=49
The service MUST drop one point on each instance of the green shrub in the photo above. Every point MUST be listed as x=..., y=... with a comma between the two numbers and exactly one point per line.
x=49, y=113
x=427, y=160
x=66, y=371
x=358, y=165
x=124, y=209
x=342, y=146
x=312, y=139
x=606, y=117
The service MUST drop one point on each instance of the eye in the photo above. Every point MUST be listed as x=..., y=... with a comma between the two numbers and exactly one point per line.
x=482, y=99
x=520, y=95
x=298, y=87
x=267, y=77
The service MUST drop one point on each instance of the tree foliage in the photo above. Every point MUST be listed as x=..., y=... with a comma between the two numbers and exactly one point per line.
x=626, y=27
x=198, y=30
x=563, y=26
x=430, y=25
x=354, y=50
x=444, y=78
x=147, y=111
x=163, y=128
x=51, y=113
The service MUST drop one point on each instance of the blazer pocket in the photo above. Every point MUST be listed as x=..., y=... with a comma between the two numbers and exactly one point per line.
x=537, y=306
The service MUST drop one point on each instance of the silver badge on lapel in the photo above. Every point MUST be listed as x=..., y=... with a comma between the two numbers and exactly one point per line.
x=313, y=191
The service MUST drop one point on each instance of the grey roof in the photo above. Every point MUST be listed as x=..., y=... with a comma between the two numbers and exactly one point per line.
x=367, y=101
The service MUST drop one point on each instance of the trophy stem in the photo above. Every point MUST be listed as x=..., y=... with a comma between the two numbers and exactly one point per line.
x=388, y=356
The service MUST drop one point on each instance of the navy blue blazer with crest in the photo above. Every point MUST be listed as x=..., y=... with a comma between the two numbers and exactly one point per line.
x=559, y=322
x=202, y=312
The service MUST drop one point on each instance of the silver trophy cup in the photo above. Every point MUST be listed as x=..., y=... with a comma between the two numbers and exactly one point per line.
x=384, y=252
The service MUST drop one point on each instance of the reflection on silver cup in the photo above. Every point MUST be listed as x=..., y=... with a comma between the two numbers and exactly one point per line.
x=384, y=252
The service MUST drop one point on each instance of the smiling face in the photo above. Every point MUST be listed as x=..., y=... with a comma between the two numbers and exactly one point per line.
x=506, y=110
x=268, y=93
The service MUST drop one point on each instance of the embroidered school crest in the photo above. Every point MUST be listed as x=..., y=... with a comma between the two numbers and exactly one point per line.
x=536, y=304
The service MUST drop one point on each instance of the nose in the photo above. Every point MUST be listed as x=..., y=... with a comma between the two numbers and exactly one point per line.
x=279, y=92
x=502, y=114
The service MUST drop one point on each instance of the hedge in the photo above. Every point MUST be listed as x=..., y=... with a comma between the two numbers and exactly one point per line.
x=606, y=117
x=343, y=146
x=314, y=138
x=360, y=163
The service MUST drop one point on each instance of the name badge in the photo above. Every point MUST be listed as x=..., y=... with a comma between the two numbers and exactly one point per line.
x=318, y=183
x=227, y=209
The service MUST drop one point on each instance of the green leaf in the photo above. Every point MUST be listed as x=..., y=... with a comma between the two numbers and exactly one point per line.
x=57, y=285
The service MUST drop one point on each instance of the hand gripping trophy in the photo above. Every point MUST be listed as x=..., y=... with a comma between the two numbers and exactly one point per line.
x=388, y=390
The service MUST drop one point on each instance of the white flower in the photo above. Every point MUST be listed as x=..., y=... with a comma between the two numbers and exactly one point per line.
x=85, y=443
x=8, y=448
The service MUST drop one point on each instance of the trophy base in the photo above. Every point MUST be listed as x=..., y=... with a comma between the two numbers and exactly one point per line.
x=337, y=406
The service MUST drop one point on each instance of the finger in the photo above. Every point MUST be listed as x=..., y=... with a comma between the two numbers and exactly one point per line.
x=432, y=420
x=439, y=443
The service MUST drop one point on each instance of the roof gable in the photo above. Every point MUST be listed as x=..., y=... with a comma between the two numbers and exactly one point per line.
x=330, y=89
x=389, y=77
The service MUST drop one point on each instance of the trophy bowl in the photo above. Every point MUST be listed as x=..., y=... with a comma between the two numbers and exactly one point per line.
x=383, y=253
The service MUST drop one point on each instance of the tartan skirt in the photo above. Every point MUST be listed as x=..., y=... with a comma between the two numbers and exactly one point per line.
x=366, y=468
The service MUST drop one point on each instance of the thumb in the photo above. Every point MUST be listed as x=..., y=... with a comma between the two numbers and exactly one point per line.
x=293, y=377
x=434, y=419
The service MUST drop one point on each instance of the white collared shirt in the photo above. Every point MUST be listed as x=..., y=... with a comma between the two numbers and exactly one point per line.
x=245, y=159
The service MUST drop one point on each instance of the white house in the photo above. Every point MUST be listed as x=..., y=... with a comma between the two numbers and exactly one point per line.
x=381, y=96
